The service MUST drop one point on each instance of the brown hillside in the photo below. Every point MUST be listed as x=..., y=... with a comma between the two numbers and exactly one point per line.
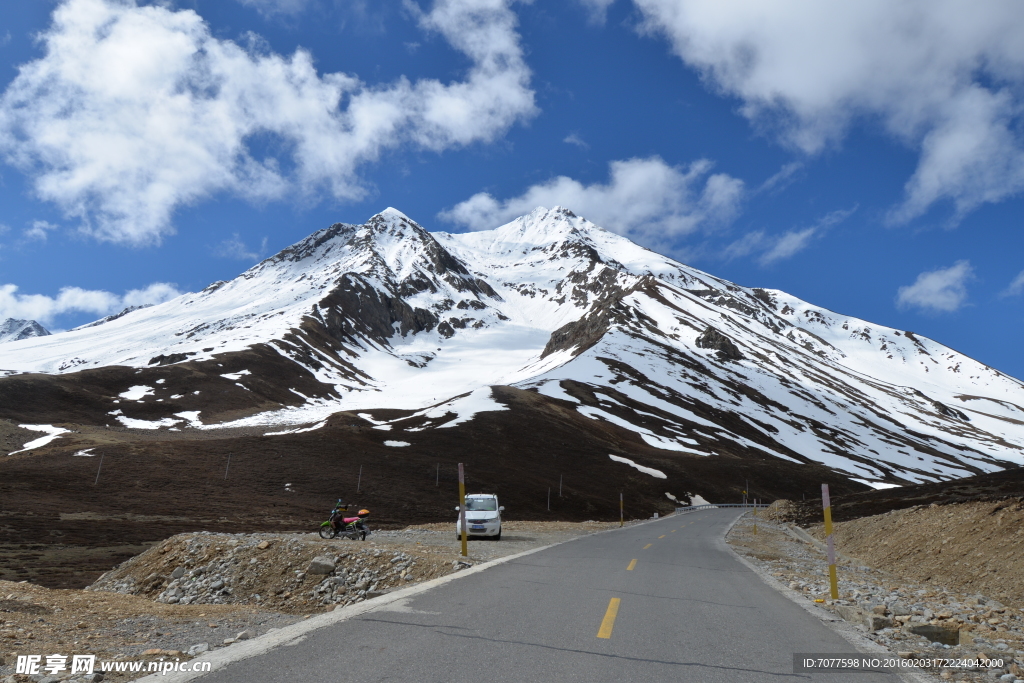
x=59, y=529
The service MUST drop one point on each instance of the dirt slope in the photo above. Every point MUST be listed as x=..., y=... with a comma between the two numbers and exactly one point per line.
x=848, y=505
x=979, y=638
x=970, y=547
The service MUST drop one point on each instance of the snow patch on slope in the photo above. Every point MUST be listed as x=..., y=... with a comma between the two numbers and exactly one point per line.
x=132, y=423
x=298, y=431
x=136, y=393
x=646, y=470
x=51, y=434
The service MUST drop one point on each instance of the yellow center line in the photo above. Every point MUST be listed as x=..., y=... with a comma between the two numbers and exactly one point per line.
x=673, y=531
x=631, y=565
x=648, y=546
x=662, y=536
x=609, y=619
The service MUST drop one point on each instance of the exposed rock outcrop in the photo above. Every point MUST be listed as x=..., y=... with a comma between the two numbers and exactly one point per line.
x=713, y=339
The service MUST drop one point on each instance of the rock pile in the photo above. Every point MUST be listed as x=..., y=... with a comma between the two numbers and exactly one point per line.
x=283, y=571
x=780, y=511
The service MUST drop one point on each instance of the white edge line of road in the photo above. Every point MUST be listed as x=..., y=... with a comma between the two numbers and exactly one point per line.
x=295, y=633
x=832, y=621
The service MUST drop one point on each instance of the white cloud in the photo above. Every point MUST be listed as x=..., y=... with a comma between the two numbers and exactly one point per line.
x=44, y=308
x=943, y=290
x=778, y=247
x=597, y=9
x=135, y=111
x=156, y=293
x=39, y=230
x=943, y=76
x=787, y=245
x=235, y=248
x=782, y=179
x=270, y=8
x=748, y=244
x=1016, y=287
x=575, y=139
x=645, y=199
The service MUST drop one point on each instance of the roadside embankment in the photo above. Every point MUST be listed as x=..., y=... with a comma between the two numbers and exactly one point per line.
x=970, y=547
x=911, y=610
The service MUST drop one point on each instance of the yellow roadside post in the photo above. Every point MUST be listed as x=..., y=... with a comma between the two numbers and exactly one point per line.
x=622, y=518
x=826, y=504
x=462, y=511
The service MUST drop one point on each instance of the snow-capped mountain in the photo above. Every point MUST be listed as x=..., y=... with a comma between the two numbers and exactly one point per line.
x=386, y=315
x=13, y=329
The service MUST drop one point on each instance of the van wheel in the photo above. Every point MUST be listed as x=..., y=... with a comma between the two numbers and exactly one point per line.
x=498, y=537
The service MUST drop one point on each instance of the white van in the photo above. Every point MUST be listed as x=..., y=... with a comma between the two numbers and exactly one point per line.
x=483, y=516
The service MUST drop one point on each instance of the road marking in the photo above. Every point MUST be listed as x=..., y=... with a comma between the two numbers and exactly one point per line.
x=609, y=619
x=631, y=565
x=662, y=536
x=648, y=546
x=673, y=531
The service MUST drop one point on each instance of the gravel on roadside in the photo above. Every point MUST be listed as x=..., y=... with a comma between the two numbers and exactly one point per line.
x=891, y=609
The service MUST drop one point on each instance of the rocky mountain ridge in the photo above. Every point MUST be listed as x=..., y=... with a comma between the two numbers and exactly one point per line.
x=387, y=316
x=14, y=329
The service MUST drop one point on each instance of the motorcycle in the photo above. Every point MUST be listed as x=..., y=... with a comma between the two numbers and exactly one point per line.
x=356, y=530
x=353, y=528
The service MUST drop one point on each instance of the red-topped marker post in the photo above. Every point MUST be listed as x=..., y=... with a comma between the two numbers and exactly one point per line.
x=826, y=504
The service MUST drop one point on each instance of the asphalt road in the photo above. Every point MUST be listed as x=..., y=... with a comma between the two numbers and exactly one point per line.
x=687, y=610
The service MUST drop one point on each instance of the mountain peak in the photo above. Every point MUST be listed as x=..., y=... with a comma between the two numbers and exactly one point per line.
x=391, y=213
x=14, y=329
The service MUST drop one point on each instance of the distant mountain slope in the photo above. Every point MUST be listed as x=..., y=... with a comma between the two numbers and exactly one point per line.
x=13, y=329
x=386, y=315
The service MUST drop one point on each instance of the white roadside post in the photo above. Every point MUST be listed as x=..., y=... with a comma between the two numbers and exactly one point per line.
x=826, y=504
x=462, y=511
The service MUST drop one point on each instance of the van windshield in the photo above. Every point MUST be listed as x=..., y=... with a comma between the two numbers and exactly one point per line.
x=481, y=504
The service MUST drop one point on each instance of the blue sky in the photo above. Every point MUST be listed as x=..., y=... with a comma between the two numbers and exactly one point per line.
x=866, y=158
